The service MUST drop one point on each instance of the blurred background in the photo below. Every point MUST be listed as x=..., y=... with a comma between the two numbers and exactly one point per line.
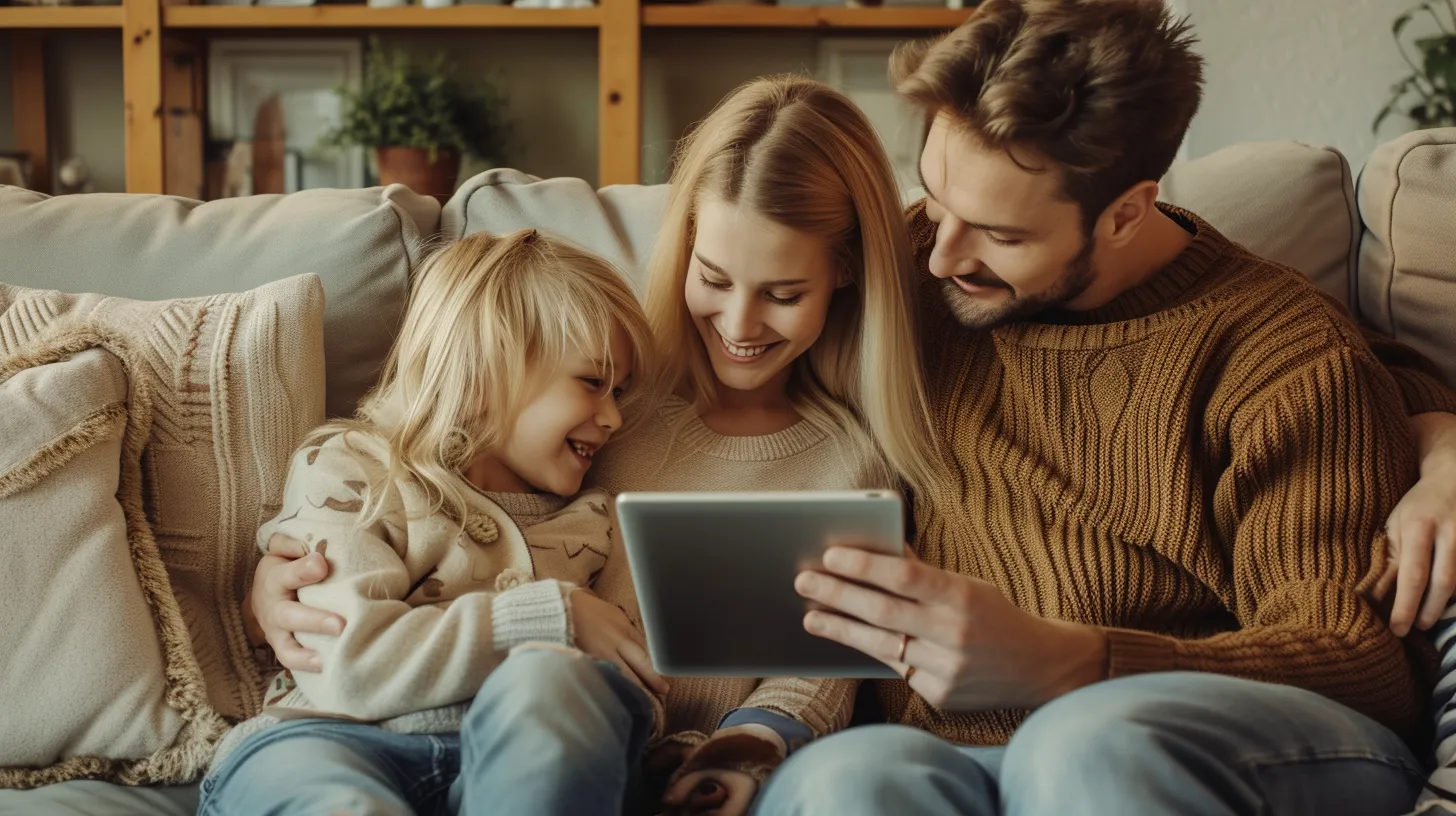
x=279, y=95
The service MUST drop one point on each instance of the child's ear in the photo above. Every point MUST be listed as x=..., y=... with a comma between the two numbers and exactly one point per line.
x=844, y=279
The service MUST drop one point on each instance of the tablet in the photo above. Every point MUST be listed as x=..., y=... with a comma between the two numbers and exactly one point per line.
x=714, y=574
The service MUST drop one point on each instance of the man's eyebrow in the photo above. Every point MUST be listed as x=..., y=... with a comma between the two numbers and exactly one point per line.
x=975, y=225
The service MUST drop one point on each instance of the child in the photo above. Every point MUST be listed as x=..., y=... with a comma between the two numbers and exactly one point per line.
x=475, y=674
x=1438, y=798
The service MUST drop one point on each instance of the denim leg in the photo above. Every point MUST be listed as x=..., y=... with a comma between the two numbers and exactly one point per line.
x=1204, y=744
x=552, y=733
x=882, y=769
x=328, y=767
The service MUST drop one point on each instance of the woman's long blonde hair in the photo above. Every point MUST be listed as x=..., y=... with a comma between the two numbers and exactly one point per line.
x=802, y=155
x=488, y=319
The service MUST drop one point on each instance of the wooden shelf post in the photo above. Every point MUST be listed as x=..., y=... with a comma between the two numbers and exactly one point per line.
x=27, y=77
x=185, y=110
x=619, y=85
x=141, y=65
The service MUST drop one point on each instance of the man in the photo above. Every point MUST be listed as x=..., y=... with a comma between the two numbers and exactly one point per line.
x=1146, y=585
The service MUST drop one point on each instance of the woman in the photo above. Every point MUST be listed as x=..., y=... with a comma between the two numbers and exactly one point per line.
x=795, y=366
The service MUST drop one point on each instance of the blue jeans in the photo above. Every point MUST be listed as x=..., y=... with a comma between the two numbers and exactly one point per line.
x=1173, y=743
x=549, y=733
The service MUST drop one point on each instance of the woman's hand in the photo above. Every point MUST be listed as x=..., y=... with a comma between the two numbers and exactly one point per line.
x=722, y=776
x=604, y=632
x=1422, y=530
x=286, y=568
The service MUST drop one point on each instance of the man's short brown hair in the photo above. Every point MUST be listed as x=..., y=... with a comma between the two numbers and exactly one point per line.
x=1103, y=88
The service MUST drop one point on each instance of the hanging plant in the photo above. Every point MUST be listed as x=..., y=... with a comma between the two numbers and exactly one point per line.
x=1427, y=96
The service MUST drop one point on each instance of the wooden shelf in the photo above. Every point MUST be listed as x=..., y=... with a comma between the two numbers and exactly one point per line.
x=763, y=16
x=12, y=17
x=360, y=16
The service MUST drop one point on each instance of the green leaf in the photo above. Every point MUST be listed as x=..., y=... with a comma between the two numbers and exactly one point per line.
x=1438, y=60
x=1401, y=22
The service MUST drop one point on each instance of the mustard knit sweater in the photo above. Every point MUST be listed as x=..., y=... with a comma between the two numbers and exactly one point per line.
x=1202, y=467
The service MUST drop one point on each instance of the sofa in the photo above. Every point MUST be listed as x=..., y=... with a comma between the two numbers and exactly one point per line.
x=326, y=275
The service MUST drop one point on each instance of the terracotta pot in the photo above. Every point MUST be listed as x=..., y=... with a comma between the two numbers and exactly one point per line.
x=411, y=167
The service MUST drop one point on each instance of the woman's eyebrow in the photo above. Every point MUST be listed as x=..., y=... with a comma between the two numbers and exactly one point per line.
x=772, y=283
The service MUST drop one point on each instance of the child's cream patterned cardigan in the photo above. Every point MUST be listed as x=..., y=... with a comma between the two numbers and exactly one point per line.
x=431, y=605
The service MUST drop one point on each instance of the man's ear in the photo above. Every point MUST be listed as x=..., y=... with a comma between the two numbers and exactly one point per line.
x=1125, y=216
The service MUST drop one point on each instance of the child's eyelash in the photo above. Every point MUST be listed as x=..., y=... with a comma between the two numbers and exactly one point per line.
x=711, y=284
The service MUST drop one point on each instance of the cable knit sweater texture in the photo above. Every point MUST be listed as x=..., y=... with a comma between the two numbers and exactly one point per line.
x=1202, y=468
x=432, y=604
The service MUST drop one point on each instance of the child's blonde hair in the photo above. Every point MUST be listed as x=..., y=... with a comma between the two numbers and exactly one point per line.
x=488, y=318
x=802, y=155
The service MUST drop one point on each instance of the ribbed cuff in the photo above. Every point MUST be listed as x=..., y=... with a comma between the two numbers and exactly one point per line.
x=1132, y=652
x=1423, y=393
x=534, y=611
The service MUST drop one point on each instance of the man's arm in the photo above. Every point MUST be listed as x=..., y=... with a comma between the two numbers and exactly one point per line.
x=1316, y=462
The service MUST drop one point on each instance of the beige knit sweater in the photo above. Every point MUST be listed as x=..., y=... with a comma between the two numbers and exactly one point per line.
x=674, y=450
x=432, y=605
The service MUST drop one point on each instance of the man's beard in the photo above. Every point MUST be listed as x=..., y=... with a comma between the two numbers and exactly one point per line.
x=975, y=314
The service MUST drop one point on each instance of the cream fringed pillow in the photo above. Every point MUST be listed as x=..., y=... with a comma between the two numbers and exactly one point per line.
x=232, y=383
x=99, y=679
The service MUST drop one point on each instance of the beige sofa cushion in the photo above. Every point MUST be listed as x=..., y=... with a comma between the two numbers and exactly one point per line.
x=618, y=222
x=1289, y=202
x=100, y=681
x=1407, y=279
x=234, y=382
x=361, y=243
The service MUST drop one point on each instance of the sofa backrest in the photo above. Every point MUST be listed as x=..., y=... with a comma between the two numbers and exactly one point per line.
x=1289, y=202
x=361, y=243
x=1407, y=278
x=618, y=222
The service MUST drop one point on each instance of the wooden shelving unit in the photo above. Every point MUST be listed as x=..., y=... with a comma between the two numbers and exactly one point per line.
x=762, y=16
x=60, y=17
x=162, y=44
x=363, y=17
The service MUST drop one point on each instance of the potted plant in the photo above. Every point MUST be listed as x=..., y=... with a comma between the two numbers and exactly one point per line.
x=1428, y=94
x=419, y=120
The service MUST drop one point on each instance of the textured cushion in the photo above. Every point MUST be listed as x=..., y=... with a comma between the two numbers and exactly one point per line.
x=361, y=243
x=99, y=679
x=1407, y=279
x=233, y=381
x=1289, y=202
x=618, y=222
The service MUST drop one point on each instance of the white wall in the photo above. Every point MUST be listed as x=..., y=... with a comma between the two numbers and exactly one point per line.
x=1312, y=70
